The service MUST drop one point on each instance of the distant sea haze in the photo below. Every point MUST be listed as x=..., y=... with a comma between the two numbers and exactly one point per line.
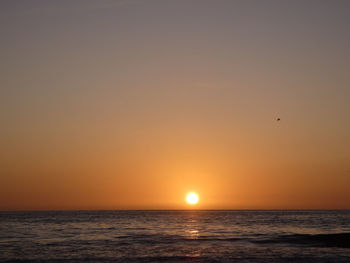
x=175, y=236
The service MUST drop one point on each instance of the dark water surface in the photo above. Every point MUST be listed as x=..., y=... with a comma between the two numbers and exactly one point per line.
x=175, y=236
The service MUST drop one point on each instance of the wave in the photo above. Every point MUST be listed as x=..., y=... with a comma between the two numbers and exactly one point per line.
x=341, y=240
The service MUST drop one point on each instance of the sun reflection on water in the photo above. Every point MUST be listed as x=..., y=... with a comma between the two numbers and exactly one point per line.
x=193, y=233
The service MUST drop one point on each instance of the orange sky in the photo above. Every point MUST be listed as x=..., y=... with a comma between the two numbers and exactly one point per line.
x=133, y=104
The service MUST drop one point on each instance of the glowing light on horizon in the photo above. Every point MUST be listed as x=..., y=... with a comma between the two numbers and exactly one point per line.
x=192, y=198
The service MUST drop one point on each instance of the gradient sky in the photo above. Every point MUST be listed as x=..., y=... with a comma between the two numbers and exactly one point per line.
x=131, y=104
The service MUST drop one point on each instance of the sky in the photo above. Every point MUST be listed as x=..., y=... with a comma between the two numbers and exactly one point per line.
x=131, y=104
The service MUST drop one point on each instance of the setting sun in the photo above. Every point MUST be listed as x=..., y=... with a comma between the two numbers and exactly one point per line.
x=192, y=198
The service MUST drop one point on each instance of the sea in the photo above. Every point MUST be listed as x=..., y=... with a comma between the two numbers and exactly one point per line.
x=175, y=236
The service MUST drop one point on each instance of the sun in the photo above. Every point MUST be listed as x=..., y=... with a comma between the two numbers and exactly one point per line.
x=192, y=198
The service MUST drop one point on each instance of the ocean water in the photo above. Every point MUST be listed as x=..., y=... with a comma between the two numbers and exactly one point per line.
x=175, y=236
